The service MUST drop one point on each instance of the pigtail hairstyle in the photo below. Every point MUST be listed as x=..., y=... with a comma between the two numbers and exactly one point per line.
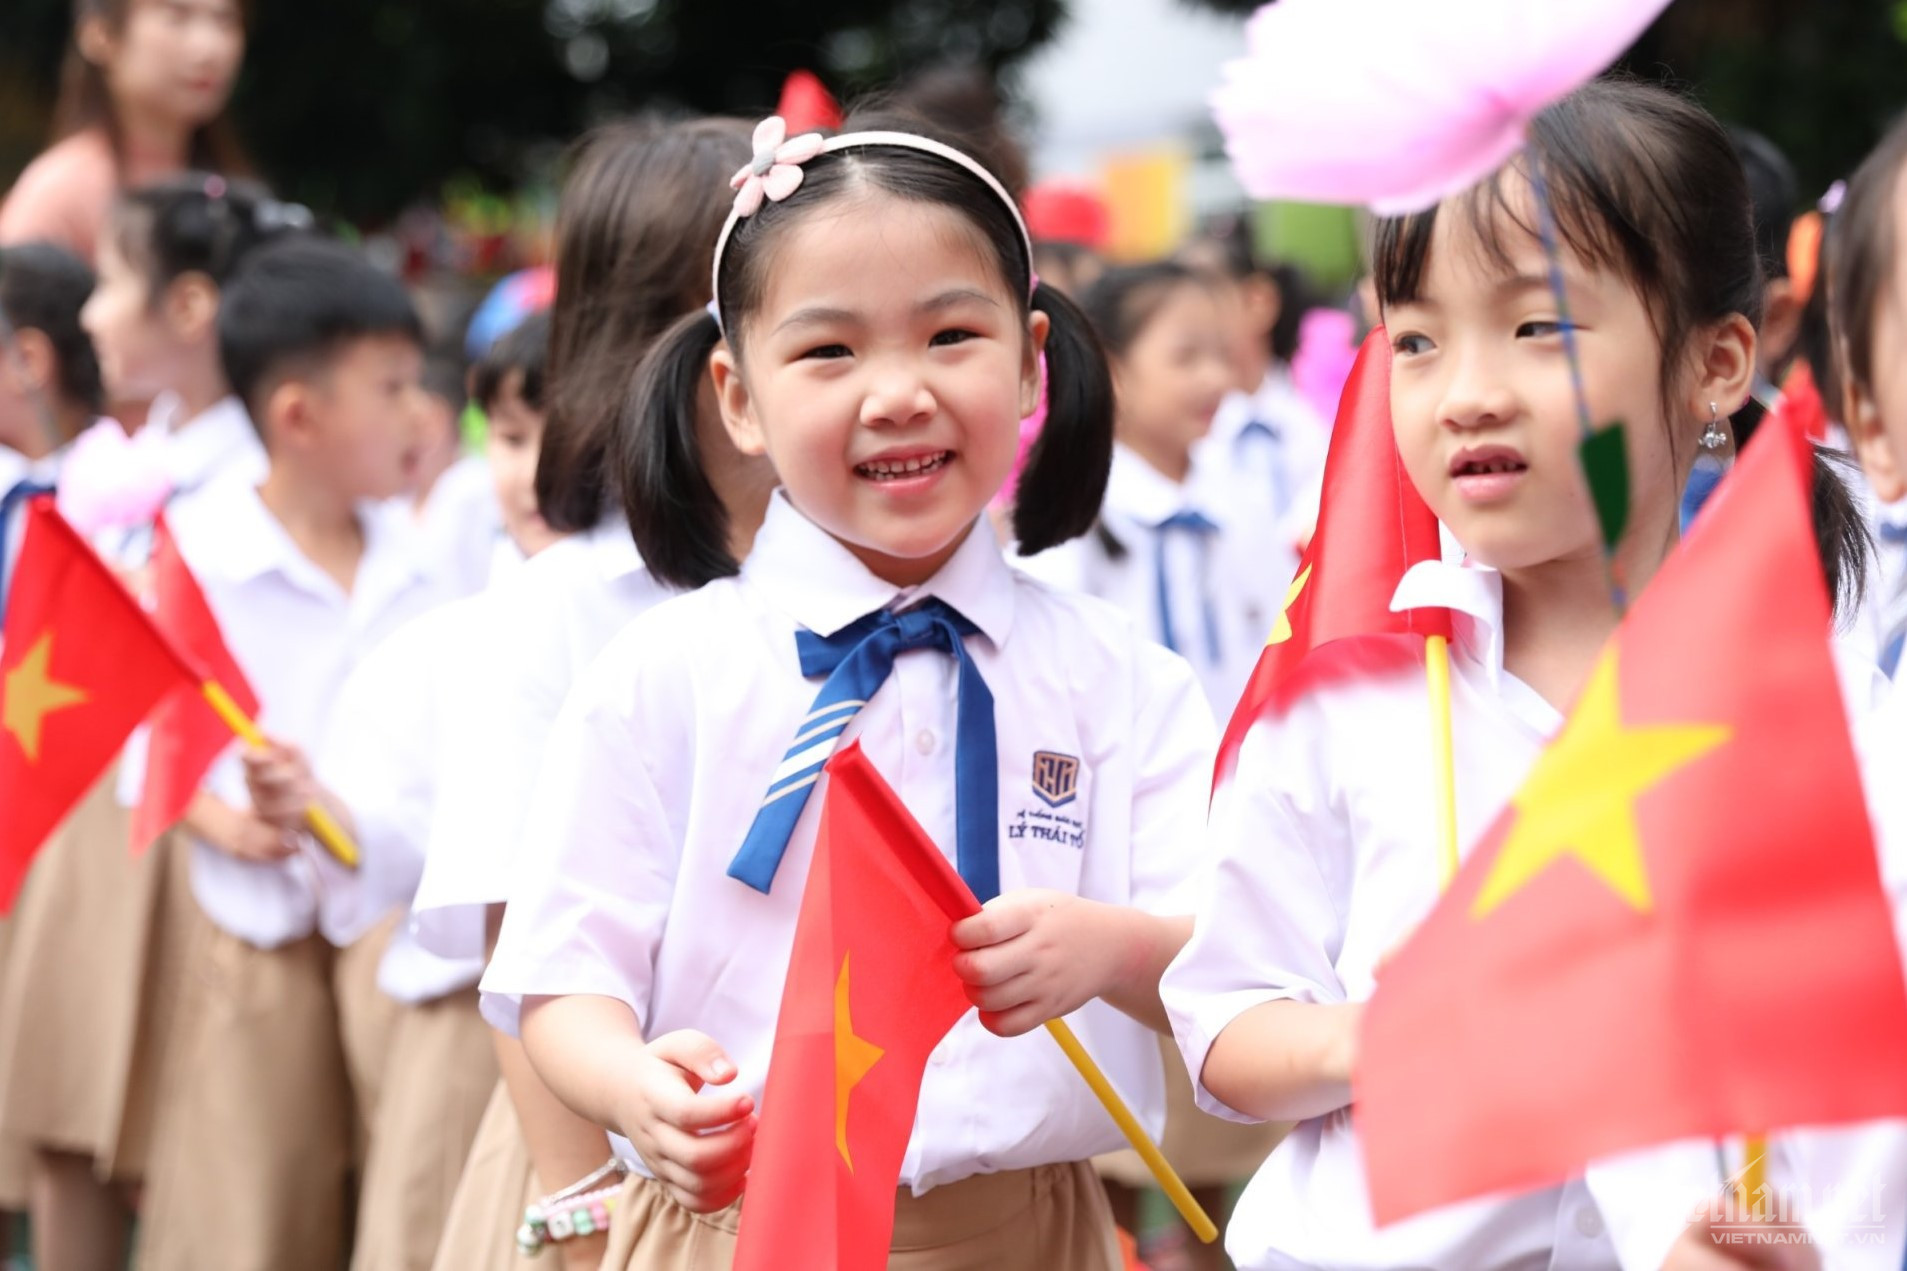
x=1065, y=478
x=678, y=521
x=199, y=223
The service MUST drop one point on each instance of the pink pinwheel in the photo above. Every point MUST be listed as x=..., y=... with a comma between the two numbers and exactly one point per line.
x=1399, y=103
x=775, y=171
x=111, y=480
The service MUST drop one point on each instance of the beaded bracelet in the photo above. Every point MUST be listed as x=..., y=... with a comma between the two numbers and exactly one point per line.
x=581, y=1209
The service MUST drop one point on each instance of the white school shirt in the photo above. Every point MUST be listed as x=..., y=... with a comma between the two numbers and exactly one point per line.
x=662, y=754
x=297, y=635
x=461, y=524
x=194, y=454
x=384, y=757
x=1321, y=859
x=550, y=619
x=1320, y=864
x=1271, y=481
x=1221, y=575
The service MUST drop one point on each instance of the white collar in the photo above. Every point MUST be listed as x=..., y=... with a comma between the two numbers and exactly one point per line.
x=1473, y=594
x=806, y=573
x=609, y=544
x=192, y=451
x=254, y=543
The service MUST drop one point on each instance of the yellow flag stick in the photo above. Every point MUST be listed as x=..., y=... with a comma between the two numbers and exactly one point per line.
x=323, y=827
x=1754, y=1174
x=1437, y=673
x=1168, y=1178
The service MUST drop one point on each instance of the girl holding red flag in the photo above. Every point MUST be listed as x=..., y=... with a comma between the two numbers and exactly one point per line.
x=876, y=333
x=1324, y=854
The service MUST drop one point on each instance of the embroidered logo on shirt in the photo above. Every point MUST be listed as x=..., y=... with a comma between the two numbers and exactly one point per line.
x=1055, y=778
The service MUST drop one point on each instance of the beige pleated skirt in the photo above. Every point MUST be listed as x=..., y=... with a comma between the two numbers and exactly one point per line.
x=250, y=1150
x=1053, y=1218
x=89, y=978
x=438, y=1079
x=1207, y=1151
x=367, y=1023
x=497, y=1186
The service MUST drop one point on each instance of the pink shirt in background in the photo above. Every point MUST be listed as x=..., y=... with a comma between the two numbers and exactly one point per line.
x=64, y=194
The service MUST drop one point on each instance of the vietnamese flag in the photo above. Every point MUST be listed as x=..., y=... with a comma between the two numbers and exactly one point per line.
x=870, y=992
x=81, y=666
x=1372, y=527
x=1677, y=927
x=186, y=735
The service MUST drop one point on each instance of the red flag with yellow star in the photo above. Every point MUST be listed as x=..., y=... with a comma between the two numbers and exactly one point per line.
x=870, y=992
x=80, y=667
x=1677, y=927
x=1372, y=527
x=186, y=734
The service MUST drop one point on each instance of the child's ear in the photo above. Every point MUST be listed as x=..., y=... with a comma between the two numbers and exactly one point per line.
x=94, y=37
x=736, y=402
x=1780, y=320
x=35, y=365
x=1726, y=370
x=1032, y=382
x=290, y=415
x=191, y=307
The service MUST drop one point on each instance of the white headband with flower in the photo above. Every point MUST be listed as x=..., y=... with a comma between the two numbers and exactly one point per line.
x=776, y=171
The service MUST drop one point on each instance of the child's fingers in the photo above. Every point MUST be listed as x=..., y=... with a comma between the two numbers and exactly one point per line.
x=991, y=926
x=1004, y=996
x=1015, y=1022
x=695, y=1112
x=697, y=1055
x=988, y=967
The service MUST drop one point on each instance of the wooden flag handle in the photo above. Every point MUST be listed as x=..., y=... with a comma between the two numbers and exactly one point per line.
x=1443, y=743
x=1754, y=1174
x=323, y=827
x=1168, y=1178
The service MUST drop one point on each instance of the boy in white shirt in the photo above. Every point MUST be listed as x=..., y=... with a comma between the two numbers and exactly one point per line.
x=305, y=574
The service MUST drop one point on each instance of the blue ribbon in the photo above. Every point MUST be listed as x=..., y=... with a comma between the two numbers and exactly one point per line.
x=857, y=660
x=1190, y=523
x=9, y=504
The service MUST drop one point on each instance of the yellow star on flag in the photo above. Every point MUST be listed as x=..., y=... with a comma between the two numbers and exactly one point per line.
x=1281, y=630
x=1580, y=799
x=853, y=1057
x=30, y=693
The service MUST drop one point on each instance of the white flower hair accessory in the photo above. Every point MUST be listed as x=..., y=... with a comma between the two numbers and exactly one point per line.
x=775, y=171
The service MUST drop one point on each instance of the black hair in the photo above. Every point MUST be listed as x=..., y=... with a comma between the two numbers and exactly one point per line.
x=1860, y=257
x=447, y=373
x=522, y=351
x=1644, y=183
x=678, y=522
x=198, y=222
x=634, y=243
x=42, y=288
x=1125, y=299
x=296, y=305
x=1773, y=194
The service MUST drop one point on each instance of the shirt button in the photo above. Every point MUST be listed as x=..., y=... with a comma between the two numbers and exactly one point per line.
x=924, y=742
x=1589, y=1222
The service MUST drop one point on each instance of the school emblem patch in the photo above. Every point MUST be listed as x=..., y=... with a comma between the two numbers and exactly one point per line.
x=1055, y=778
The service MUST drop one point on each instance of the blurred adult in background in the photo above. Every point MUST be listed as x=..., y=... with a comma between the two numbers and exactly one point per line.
x=142, y=96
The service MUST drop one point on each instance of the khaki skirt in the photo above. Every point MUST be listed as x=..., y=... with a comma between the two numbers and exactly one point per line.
x=497, y=1186
x=1052, y=1218
x=438, y=1079
x=1207, y=1151
x=90, y=976
x=251, y=1141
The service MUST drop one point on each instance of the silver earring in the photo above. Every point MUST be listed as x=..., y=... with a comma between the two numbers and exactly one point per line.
x=1714, y=437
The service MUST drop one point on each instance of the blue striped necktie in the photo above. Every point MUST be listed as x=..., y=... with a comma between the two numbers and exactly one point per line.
x=1188, y=523
x=857, y=661
x=10, y=503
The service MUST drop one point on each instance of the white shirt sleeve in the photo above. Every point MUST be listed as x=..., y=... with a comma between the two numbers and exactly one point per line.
x=597, y=871
x=1272, y=899
x=378, y=757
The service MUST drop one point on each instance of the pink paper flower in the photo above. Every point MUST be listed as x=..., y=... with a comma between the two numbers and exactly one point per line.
x=109, y=480
x=775, y=171
x=1400, y=103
